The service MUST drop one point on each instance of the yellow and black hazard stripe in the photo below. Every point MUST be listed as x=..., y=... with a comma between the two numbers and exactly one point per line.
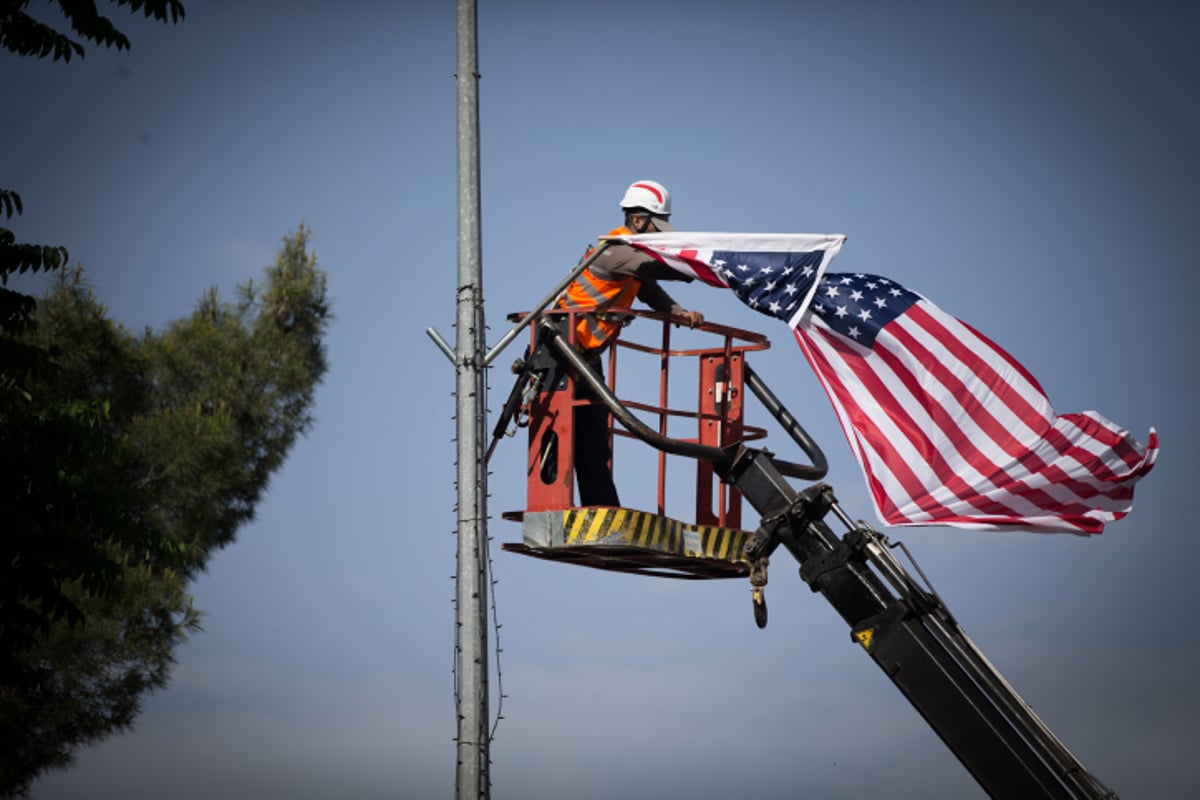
x=622, y=526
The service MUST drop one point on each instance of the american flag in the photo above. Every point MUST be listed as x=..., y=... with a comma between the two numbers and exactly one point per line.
x=775, y=274
x=949, y=429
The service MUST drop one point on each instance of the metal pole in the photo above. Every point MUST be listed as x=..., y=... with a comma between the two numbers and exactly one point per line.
x=471, y=638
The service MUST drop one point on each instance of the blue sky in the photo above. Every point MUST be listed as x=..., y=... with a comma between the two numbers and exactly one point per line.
x=1030, y=167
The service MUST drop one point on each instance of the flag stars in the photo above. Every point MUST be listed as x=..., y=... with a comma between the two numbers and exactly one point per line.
x=781, y=283
x=857, y=313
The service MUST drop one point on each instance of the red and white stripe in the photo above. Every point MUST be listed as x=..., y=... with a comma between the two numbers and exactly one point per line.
x=951, y=430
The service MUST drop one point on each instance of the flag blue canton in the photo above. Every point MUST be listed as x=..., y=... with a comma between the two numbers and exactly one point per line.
x=773, y=283
x=858, y=305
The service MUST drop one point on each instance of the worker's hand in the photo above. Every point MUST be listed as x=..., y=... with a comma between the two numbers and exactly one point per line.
x=694, y=318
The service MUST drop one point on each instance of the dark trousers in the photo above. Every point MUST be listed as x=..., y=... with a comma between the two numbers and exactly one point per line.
x=592, y=453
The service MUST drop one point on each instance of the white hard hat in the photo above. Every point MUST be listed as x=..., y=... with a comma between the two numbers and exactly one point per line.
x=650, y=195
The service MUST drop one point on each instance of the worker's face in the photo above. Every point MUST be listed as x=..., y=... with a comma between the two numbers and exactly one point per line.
x=642, y=223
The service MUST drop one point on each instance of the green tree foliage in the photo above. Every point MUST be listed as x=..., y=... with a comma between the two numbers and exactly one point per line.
x=16, y=309
x=92, y=598
x=141, y=457
x=24, y=35
x=43, y=448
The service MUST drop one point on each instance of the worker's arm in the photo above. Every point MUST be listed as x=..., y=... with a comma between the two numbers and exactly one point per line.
x=622, y=259
x=656, y=297
x=652, y=270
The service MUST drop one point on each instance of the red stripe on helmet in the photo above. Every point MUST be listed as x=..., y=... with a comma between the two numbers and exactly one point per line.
x=650, y=189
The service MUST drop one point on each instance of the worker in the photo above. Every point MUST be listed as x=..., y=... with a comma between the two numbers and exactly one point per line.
x=605, y=289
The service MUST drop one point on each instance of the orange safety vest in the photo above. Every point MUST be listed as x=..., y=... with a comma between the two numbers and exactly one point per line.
x=608, y=298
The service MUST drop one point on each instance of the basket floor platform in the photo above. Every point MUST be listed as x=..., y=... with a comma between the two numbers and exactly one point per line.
x=627, y=540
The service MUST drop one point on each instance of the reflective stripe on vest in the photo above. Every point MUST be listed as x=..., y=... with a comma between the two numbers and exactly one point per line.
x=595, y=329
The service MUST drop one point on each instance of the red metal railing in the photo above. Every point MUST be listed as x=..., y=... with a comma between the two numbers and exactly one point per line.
x=718, y=412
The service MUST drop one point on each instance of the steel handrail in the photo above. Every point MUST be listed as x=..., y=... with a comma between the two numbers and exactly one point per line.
x=621, y=413
x=718, y=456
